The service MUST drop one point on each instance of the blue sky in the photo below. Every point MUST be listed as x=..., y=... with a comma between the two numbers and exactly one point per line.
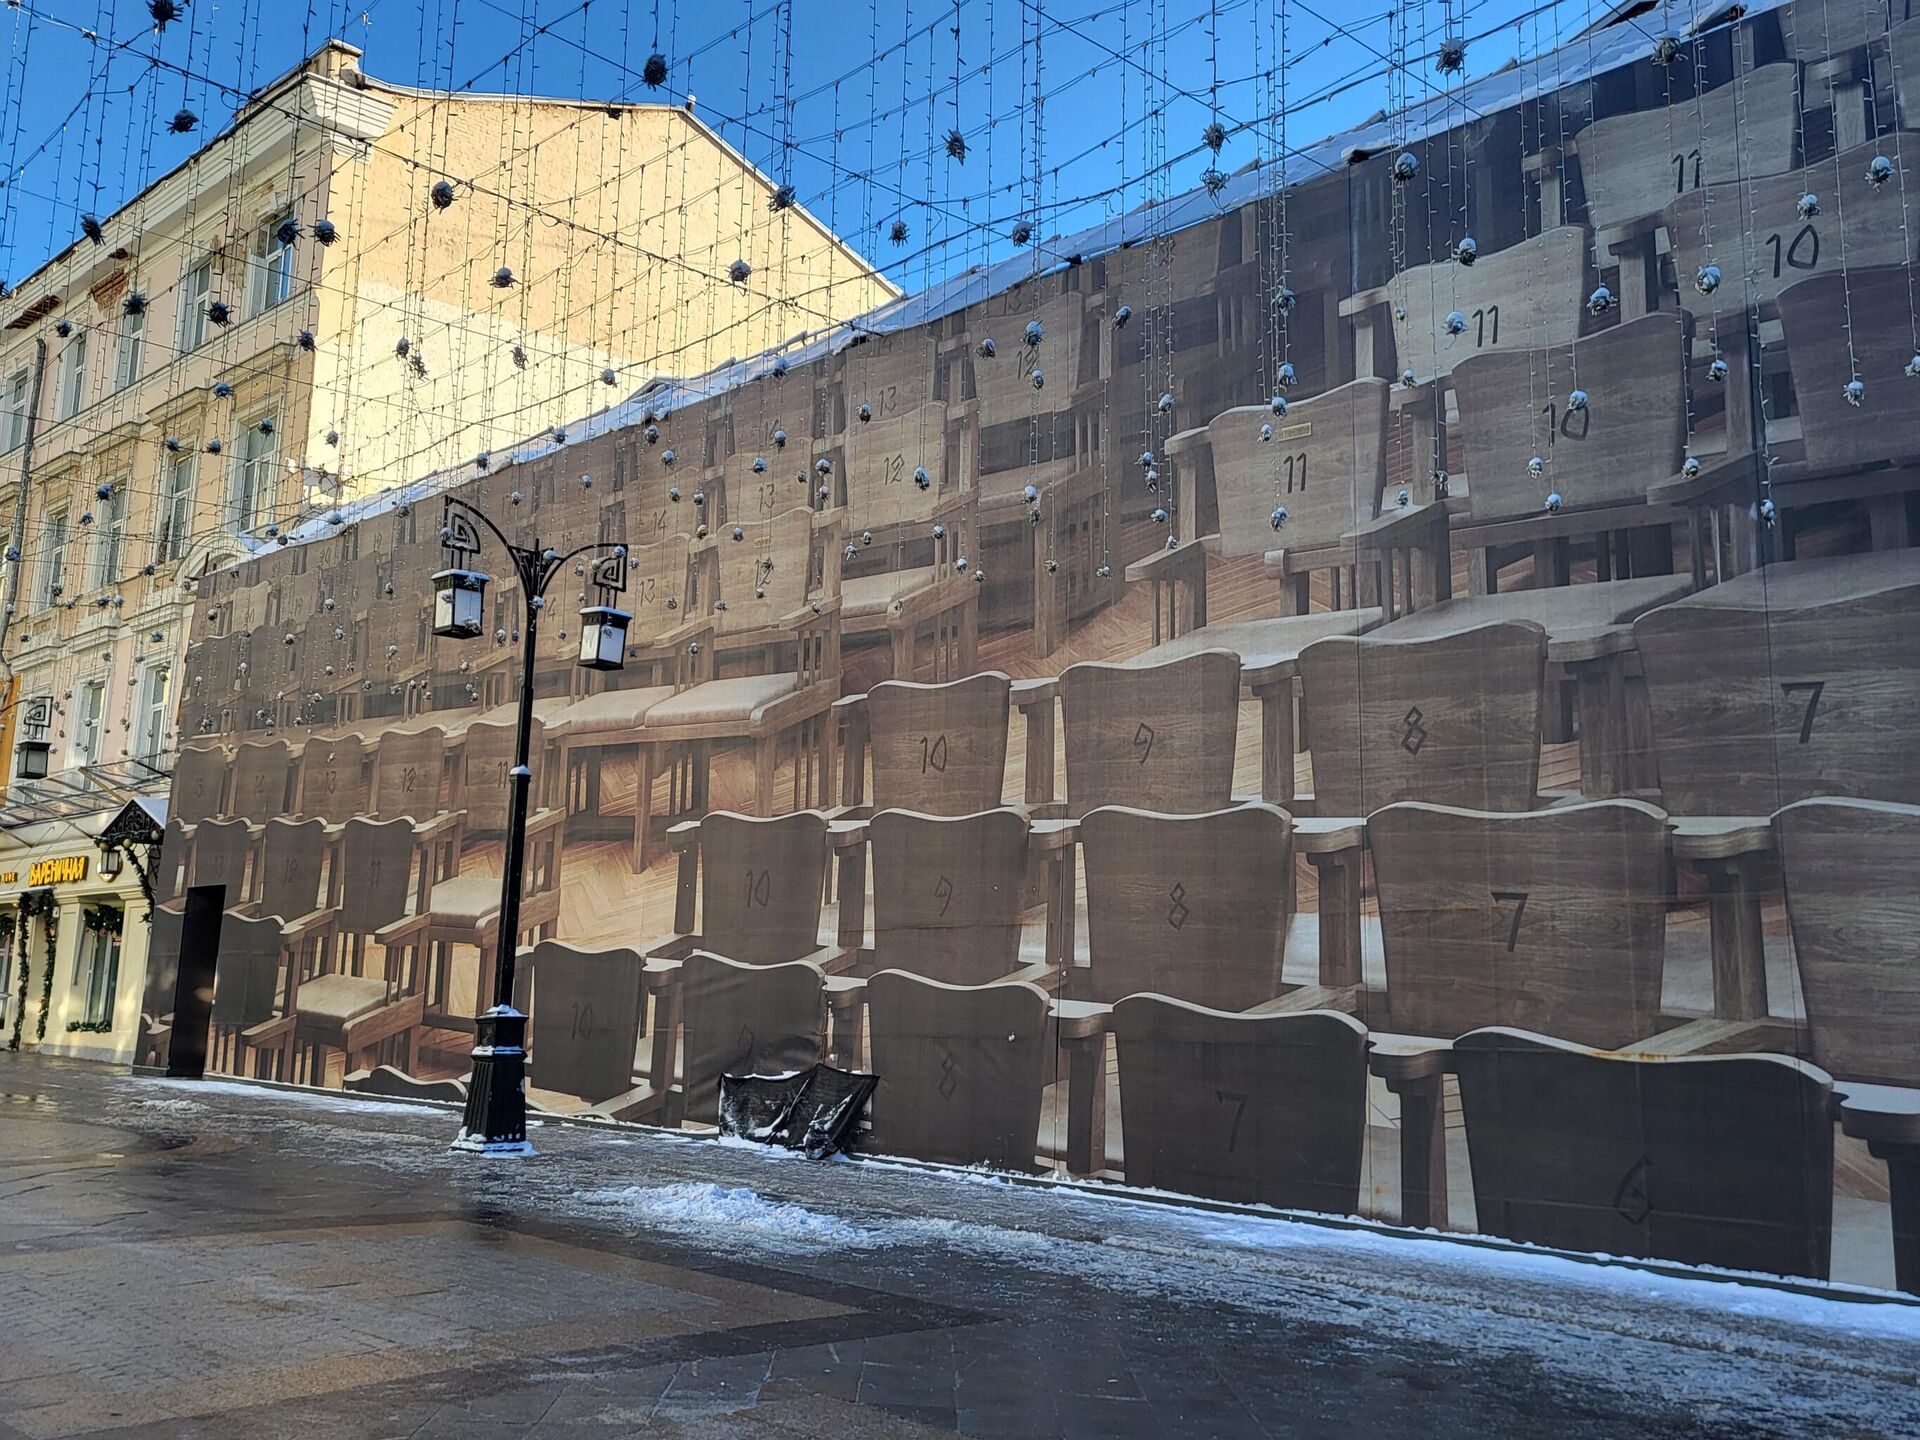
x=850, y=102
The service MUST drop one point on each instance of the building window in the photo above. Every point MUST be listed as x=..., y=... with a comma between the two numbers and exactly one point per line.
x=195, y=286
x=89, y=738
x=18, y=389
x=97, y=975
x=53, y=562
x=110, y=534
x=253, y=490
x=156, y=715
x=176, y=510
x=126, y=362
x=269, y=268
x=73, y=375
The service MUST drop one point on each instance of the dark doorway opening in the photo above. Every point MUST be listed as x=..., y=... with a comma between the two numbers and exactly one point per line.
x=193, y=985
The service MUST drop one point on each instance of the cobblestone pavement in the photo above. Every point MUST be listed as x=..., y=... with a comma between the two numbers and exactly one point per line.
x=181, y=1259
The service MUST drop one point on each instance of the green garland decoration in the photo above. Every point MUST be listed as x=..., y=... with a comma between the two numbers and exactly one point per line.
x=40, y=902
x=110, y=919
x=7, y=930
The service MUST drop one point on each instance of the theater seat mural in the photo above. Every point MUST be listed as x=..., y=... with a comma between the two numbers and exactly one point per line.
x=1461, y=778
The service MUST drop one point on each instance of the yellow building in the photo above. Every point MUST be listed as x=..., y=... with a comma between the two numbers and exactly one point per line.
x=353, y=285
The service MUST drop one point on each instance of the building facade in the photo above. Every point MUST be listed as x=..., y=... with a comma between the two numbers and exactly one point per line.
x=354, y=284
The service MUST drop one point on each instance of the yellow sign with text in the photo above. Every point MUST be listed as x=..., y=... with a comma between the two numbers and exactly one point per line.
x=59, y=870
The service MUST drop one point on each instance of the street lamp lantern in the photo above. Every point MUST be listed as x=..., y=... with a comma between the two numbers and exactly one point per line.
x=111, y=861
x=459, y=603
x=33, y=752
x=603, y=637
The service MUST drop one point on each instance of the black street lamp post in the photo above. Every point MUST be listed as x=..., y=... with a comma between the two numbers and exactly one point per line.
x=496, y=1117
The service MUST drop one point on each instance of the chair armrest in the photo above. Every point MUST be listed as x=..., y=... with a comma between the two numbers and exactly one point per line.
x=848, y=832
x=1080, y=1020
x=641, y=1100
x=1882, y=1115
x=1345, y=999
x=543, y=819
x=1179, y=563
x=848, y=707
x=1323, y=835
x=439, y=825
x=669, y=949
x=301, y=926
x=1040, y=691
x=1406, y=1059
x=405, y=928
x=1718, y=837
x=682, y=833
x=1721, y=1037
x=267, y=1032
x=1398, y=527
x=1049, y=836
x=1727, y=479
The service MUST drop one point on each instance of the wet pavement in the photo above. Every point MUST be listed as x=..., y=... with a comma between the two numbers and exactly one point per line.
x=181, y=1259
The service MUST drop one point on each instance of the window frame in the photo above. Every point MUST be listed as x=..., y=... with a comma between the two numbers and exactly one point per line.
x=156, y=715
x=90, y=748
x=53, y=561
x=96, y=972
x=128, y=350
x=73, y=377
x=110, y=536
x=250, y=497
x=269, y=268
x=190, y=322
x=175, y=531
x=19, y=398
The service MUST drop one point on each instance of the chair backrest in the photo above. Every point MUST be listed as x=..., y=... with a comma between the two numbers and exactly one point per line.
x=261, y=771
x=1708, y=1160
x=1528, y=295
x=1160, y=737
x=199, y=784
x=1631, y=434
x=1553, y=921
x=1453, y=719
x=882, y=456
x=947, y=893
x=1745, y=128
x=1256, y=1109
x=1851, y=901
x=221, y=850
x=939, y=749
x=293, y=854
x=376, y=873
x=486, y=791
x=1004, y=383
x=962, y=1069
x=246, y=985
x=1780, y=248
x=767, y=574
x=1192, y=906
x=761, y=883
x=1326, y=463
x=330, y=778
x=746, y=1020
x=170, y=864
x=659, y=585
x=584, y=1028
x=407, y=772
x=1790, y=682
x=1824, y=357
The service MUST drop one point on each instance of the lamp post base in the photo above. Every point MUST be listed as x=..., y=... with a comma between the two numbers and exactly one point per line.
x=495, y=1122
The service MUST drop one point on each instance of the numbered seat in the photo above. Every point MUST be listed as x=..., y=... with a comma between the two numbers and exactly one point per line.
x=1453, y=719
x=1848, y=866
x=1252, y=1109
x=963, y=1069
x=254, y=979
x=1158, y=737
x=759, y=884
x=262, y=775
x=936, y=749
x=1793, y=681
x=331, y=778
x=365, y=1005
x=587, y=1011
x=292, y=884
x=1189, y=906
x=1596, y=460
x=740, y=1019
x=1722, y=1160
x=223, y=854
x=408, y=771
x=948, y=895
x=199, y=790
x=910, y=508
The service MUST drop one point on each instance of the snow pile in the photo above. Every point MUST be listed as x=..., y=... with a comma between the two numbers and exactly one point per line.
x=721, y=1214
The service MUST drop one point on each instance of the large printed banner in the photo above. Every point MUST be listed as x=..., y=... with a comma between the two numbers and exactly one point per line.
x=1413, y=722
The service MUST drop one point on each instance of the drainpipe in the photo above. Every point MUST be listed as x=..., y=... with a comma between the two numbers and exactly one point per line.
x=26, y=482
